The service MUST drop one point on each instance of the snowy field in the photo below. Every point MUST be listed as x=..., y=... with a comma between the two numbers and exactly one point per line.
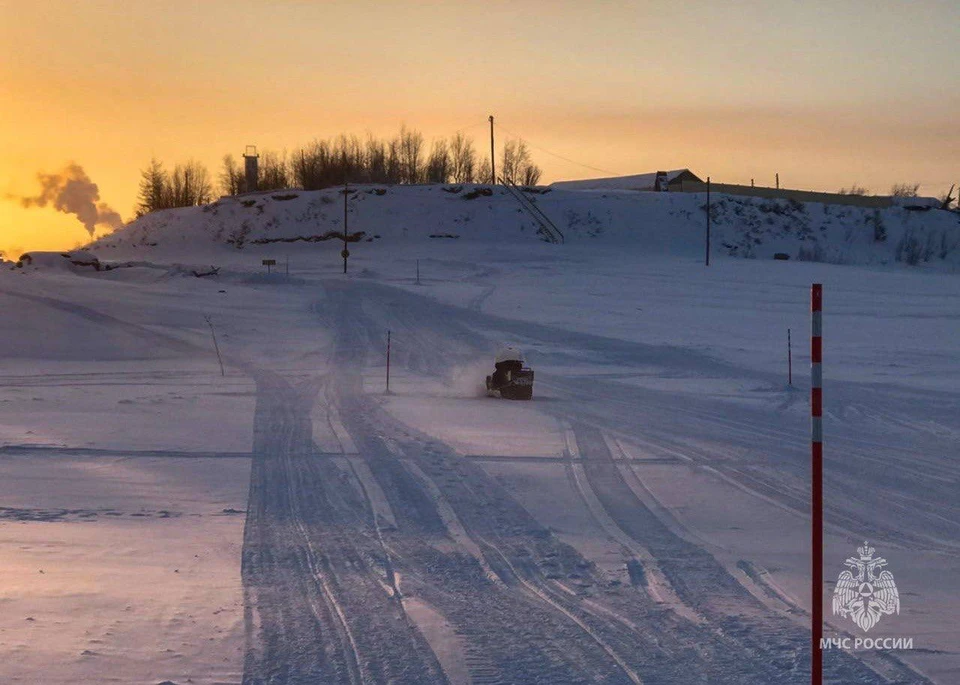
x=644, y=519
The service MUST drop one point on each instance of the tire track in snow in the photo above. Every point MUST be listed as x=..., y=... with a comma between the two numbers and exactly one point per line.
x=705, y=584
x=313, y=568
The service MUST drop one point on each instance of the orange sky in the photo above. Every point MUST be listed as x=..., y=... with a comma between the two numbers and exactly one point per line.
x=827, y=94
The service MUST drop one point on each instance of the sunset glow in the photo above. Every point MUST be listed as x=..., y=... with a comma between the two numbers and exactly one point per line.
x=825, y=94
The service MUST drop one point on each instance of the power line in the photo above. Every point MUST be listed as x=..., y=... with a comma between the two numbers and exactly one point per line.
x=554, y=154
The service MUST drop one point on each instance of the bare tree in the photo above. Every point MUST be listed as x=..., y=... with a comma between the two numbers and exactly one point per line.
x=438, y=165
x=317, y=167
x=508, y=161
x=411, y=154
x=201, y=188
x=517, y=165
x=274, y=171
x=462, y=159
x=530, y=173
x=303, y=170
x=482, y=174
x=352, y=159
x=231, y=177
x=189, y=184
x=394, y=164
x=376, y=161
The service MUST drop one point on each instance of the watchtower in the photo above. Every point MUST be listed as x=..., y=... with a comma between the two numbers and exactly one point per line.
x=251, y=168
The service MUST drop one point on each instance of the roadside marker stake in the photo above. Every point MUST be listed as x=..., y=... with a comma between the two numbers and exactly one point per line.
x=816, y=484
x=789, y=361
x=388, y=362
x=216, y=347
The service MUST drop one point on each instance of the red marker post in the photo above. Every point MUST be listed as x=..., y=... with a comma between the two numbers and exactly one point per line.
x=816, y=484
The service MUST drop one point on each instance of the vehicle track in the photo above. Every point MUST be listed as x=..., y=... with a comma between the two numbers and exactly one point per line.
x=313, y=567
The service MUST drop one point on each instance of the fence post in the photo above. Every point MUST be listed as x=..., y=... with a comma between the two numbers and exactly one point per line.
x=816, y=484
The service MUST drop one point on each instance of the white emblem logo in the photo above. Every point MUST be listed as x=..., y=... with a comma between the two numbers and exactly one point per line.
x=865, y=595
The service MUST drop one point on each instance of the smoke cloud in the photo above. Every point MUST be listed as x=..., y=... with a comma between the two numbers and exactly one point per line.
x=72, y=192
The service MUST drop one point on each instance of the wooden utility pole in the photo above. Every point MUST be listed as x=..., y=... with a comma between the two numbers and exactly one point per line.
x=493, y=167
x=778, y=181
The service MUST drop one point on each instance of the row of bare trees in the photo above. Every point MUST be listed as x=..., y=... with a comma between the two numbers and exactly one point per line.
x=404, y=158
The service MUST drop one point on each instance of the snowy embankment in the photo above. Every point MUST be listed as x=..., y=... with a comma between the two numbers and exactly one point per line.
x=660, y=223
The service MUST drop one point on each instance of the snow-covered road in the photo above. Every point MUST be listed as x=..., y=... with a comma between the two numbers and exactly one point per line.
x=643, y=520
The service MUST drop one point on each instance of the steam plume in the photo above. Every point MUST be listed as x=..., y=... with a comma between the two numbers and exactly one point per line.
x=72, y=192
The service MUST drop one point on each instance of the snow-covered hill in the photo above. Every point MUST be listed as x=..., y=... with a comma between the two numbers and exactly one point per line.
x=658, y=222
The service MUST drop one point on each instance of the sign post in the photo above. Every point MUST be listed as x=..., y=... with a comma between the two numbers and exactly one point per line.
x=268, y=263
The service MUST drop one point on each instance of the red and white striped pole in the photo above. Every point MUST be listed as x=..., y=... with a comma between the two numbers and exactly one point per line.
x=816, y=487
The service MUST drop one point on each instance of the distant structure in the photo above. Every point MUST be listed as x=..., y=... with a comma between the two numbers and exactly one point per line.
x=655, y=181
x=251, y=168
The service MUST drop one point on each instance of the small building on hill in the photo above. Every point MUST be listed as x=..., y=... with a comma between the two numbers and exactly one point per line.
x=654, y=181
